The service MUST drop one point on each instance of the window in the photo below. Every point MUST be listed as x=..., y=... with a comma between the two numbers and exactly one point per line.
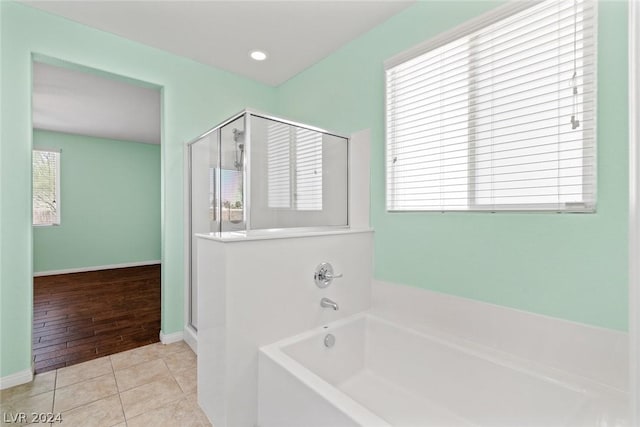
x=308, y=146
x=278, y=165
x=498, y=115
x=46, y=187
x=300, y=182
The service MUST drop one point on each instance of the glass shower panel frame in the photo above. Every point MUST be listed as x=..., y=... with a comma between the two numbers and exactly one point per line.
x=298, y=177
x=232, y=184
x=204, y=212
x=233, y=153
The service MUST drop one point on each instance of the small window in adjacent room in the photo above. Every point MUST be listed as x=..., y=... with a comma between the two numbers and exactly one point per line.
x=46, y=187
x=497, y=115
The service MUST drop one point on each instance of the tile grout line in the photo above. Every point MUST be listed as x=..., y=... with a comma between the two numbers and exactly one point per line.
x=173, y=376
x=180, y=353
x=55, y=387
x=176, y=355
x=124, y=416
x=87, y=380
x=170, y=376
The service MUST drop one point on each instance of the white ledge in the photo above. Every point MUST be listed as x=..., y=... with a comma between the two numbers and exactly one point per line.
x=280, y=233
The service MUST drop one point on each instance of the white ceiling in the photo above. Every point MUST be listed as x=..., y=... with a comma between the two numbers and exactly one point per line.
x=83, y=103
x=296, y=34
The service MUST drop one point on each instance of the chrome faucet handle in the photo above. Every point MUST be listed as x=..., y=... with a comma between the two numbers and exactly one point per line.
x=324, y=275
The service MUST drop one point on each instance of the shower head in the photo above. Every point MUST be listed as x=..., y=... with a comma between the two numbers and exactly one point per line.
x=237, y=134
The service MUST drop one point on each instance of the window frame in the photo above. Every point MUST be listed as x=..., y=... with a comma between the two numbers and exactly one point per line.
x=465, y=29
x=58, y=218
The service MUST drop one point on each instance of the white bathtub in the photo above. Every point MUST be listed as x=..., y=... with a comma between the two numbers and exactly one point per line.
x=381, y=374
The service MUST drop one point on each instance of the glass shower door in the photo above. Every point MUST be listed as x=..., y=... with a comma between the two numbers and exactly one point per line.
x=204, y=207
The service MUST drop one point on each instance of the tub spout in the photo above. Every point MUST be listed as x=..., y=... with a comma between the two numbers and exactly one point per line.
x=327, y=303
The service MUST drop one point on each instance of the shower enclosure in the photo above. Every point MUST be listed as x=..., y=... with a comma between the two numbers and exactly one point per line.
x=258, y=172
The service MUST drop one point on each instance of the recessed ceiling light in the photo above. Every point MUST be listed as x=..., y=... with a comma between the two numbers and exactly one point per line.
x=258, y=55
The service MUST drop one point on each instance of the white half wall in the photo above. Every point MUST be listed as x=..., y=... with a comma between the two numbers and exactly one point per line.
x=360, y=178
x=256, y=292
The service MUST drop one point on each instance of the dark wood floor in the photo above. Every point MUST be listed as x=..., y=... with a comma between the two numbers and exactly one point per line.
x=83, y=316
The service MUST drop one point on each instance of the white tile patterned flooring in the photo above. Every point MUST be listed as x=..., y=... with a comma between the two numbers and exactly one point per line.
x=154, y=385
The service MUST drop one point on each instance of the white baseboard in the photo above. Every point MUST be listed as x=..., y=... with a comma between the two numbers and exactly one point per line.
x=171, y=338
x=191, y=338
x=18, y=378
x=95, y=268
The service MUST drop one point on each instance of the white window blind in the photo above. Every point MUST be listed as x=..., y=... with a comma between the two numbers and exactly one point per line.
x=46, y=187
x=308, y=194
x=278, y=165
x=294, y=167
x=497, y=116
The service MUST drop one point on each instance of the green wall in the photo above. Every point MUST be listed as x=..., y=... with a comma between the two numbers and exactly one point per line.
x=195, y=97
x=572, y=266
x=569, y=266
x=110, y=204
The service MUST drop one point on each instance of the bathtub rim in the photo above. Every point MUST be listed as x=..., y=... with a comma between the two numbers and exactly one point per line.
x=336, y=397
x=359, y=413
x=575, y=382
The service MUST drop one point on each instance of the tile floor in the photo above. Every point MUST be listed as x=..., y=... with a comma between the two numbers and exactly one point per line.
x=154, y=385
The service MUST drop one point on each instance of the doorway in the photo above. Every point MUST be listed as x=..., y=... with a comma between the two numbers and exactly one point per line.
x=96, y=213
